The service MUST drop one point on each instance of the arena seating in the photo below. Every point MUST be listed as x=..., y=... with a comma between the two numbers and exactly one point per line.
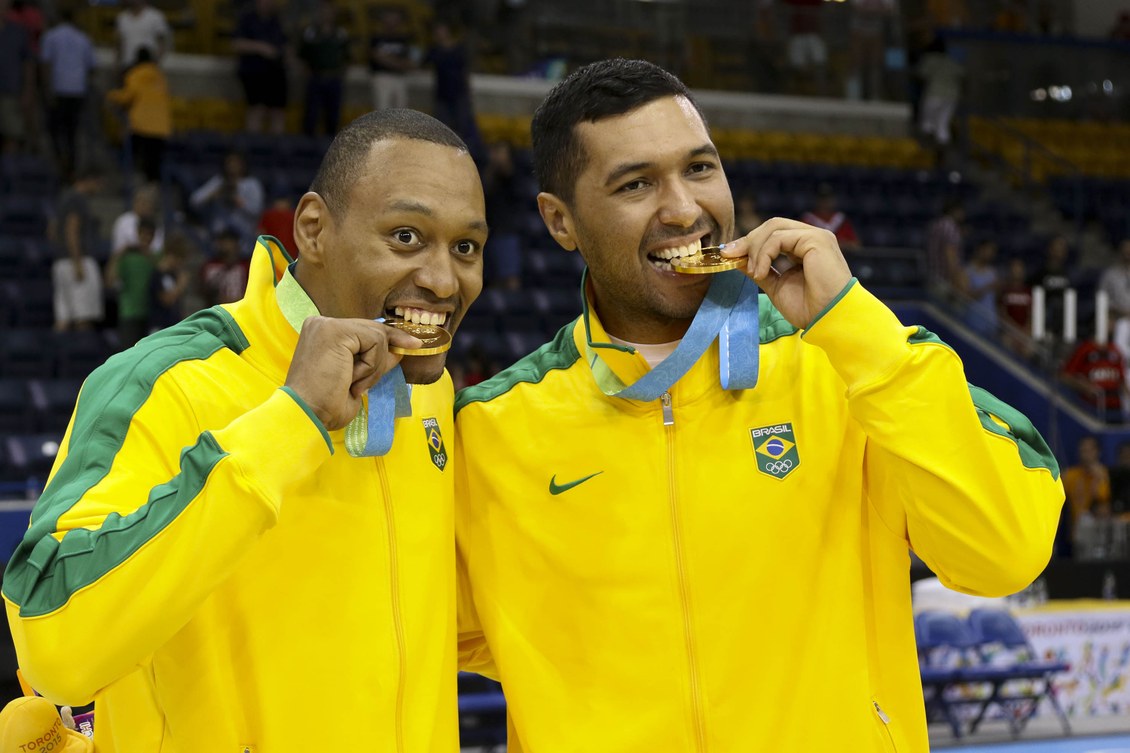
x=976, y=664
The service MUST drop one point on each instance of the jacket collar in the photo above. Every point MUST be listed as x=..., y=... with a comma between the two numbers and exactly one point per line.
x=613, y=365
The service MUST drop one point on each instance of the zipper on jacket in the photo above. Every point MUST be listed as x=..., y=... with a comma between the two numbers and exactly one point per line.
x=882, y=714
x=394, y=580
x=668, y=414
x=886, y=720
x=684, y=591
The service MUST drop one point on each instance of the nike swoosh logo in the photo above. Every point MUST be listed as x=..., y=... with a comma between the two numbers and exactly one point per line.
x=555, y=488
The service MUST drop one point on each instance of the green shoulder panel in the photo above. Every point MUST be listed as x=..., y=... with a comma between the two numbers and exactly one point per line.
x=44, y=572
x=559, y=353
x=1034, y=451
x=772, y=323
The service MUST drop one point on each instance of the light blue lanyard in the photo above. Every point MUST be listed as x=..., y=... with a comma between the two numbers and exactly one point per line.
x=389, y=399
x=729, y=312
x=370, y=432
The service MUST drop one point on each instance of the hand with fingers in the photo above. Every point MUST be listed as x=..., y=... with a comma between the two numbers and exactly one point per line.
x=338, y=360
x=819, y=274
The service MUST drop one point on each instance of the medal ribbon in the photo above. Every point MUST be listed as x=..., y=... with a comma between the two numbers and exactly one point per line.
x=370, y=432
x=729, y=313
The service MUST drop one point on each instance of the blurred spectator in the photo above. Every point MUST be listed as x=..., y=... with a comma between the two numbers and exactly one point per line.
x=223, y=278
x=145, y=96
x=278, y=221
x=807, y=52
x=941, y=81
x=514, y=22
x=1120, y=32
x=945, y=248
x=68, y=55
x=948, y=14
x=140, y=26
x=325, y=50
x=1012, y=17
x=1055, y=277
x=505, y=204
x=746, y=216
x=75, y=277
x=230, y=200
x=1015, y=303
x=452, y=86
x=983, y=282
x=17, y=84
x=145, y=206
x=826, y=215
x=129, y=273
x=869, y=26
x=478, y=367
x=171, y=282
x=261, y=45
x=391, y=55
x=1048, y=19
x=1120, y=482
x=1087, y=485
x=764, y=53
x=1115, y=282
x=1098, y=374
x=25, y=14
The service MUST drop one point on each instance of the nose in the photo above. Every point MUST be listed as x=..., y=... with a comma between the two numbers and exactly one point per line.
x=678, y=204
x=436, y=273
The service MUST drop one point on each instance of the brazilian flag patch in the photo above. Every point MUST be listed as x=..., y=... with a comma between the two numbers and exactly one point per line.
x=435, y=443
x=775, y=450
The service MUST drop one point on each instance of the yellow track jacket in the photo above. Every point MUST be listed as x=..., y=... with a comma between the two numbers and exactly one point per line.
x=220, y=576
x=728, y=571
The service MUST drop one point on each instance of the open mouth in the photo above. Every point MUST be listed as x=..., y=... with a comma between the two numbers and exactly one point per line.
x=419, y=316
x=661, y=258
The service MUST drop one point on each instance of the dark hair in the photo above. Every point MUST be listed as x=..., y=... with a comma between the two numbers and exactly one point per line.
x=144, y=223
x=144, y=55
x=599, y=90
x=347, y=155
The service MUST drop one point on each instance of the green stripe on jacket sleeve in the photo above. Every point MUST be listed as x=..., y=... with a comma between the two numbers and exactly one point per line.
x=55, y=569
x=110, y=398
x=1034, y=451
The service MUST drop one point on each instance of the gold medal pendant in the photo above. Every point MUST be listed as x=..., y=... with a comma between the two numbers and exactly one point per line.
x=707, y=262
x=436, y=339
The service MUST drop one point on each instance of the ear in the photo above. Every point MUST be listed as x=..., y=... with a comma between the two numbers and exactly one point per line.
x=312, y=219
x=558, y=220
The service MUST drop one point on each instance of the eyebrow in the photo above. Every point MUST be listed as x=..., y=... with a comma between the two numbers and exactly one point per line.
x=706, y=150
x=406, y=205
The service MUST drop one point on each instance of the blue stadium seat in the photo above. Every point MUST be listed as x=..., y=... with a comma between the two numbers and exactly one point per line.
x=482, y=712
x=15, y=407
x=995, y=629
x=79, y=353
x=28, y=174
x=23, y=216
x=32, y=455
x=32, y=303
x=945, y=647
x=53, y=401
x=25, y=352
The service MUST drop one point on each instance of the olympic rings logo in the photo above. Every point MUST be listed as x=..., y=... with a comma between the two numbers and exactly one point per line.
x=780, y=466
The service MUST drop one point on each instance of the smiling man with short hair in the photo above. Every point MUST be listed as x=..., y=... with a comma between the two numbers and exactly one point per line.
x=237, y=549
x=692, y=529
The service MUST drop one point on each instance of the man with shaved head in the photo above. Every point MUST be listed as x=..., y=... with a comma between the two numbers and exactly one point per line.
x=246, y=541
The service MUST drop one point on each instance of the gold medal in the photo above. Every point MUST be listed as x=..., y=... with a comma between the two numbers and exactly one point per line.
x=436, y=339
x=707, y=262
